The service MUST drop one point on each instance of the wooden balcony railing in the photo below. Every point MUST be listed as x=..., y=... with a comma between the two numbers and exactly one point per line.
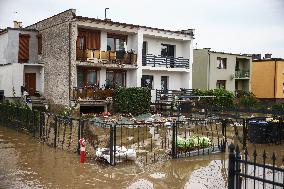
x=110, y=57
x=91, y=93
x=168, y=62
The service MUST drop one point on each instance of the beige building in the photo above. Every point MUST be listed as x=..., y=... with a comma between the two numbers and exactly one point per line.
x=268, y=79
x=213, y=70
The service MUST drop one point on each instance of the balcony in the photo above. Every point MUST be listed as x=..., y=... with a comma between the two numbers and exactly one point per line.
x=107, y=57
x=241, y=74
x=91, y=94
x=167, y=62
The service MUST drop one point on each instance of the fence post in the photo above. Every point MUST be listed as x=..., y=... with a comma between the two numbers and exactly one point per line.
x=55, y=132
x=79, y=136
x=244, y=133
x=33, y=123
x=111, y=144
x=174, y=140
x=238, y=169
x=231, y=167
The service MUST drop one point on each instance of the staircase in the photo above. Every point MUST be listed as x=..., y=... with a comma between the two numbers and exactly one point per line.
x=38, y=102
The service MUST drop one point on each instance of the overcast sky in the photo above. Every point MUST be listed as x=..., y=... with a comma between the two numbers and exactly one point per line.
x=237, y=26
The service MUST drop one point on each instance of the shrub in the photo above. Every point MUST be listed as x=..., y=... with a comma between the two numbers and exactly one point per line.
x=248, y=100
x=135, y=100
x=221, y=97
x=277, y=107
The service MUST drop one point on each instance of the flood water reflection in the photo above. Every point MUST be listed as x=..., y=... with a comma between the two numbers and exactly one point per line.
x=26, y=163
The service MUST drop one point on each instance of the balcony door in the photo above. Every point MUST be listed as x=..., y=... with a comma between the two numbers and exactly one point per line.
x=167, y=50
x=30, y=83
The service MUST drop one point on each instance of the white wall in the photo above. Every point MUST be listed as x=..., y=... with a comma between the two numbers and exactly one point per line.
x=13, y=46
x=182, y=48
x=3, y=47
x=39, y=76
x=11, y=76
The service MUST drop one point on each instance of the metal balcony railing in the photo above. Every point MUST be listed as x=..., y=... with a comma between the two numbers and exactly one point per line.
x=242, y=74
x=168, y=62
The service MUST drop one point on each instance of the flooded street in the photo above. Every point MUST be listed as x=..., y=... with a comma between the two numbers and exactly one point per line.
x=26, y=163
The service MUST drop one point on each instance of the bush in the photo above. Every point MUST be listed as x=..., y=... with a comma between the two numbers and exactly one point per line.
x=277, y=107
x=135, y=100
x=248, y=100
x=222, y=97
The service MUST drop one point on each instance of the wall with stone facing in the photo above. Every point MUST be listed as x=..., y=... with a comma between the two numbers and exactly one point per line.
x=55, y=55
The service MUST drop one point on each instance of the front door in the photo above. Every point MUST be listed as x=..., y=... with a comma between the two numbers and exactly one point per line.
x=30, y=83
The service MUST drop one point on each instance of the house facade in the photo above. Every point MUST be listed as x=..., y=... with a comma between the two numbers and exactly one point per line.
x=20, y=62
x=212, y=70
x=268, y=79
x=81, y=53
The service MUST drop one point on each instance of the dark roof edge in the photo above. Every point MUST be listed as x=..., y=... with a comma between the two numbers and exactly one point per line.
x=73, y=11
x=184, y=32
x=246, y=55
x=264, y=60
x=18, y=29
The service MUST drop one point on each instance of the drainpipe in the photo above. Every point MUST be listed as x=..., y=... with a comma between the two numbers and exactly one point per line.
x=69, y=59
x=208, y=75
x=275, y=79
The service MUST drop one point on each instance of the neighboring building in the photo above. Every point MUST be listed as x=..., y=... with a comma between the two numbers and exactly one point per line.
x=213, y=70
x=80, y=53
x=268, y=78
x=20, y=62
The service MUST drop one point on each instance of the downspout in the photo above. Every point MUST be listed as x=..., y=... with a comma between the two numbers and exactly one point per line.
x=275, y=79
x=208, y=75
x=69, y=59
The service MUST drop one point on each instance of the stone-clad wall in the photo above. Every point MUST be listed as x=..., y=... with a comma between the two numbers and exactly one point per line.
x=55, y=55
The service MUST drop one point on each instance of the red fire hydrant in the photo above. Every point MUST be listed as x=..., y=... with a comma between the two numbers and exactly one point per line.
x=82, y=150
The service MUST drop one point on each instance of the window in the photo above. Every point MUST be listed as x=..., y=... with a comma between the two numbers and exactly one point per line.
x=86, y=77
x=144, y=49
x=221, y=63
x=167, y=50
x=39, y=43
x=147, y=81
x=116, y=42
x=88, y=39
x=115, y=78
x=221, y=84
x=164, y=83
x=24, y=40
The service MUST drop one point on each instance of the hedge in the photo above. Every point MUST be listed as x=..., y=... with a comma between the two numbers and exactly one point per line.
x=134, y=100
x=222, y=97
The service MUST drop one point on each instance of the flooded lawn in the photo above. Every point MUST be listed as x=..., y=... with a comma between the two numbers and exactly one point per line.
x=26, y=163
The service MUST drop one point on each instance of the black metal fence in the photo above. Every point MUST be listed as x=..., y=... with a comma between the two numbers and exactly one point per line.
x=245, y=171
x=54, y=130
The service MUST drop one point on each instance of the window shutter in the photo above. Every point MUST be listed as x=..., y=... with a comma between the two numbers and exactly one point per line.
x=23, y=55
x=39, y=43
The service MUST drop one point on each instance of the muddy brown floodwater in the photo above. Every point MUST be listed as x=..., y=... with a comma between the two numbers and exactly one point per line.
x=26, y=163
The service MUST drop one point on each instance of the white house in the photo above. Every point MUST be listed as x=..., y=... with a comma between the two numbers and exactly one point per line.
x=81, y=53
x=20, y=63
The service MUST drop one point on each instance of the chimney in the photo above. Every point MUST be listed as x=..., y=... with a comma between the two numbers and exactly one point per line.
x=188, y=31
x=17, y=24
x=267, y=56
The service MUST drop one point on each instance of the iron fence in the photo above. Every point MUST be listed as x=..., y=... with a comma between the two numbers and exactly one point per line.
x=244, y=171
